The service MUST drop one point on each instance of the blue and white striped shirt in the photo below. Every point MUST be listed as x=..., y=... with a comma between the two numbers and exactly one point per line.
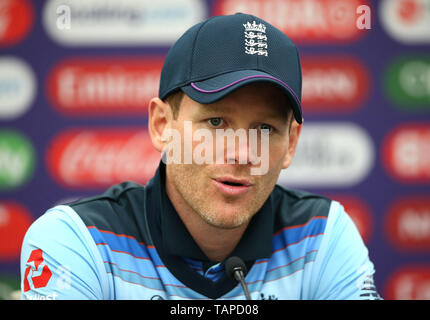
x=129, y=243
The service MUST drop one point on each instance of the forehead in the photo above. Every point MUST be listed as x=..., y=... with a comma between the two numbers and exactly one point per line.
x=262, y=99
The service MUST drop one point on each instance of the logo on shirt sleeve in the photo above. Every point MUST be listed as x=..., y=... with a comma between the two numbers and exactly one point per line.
x=37, y=270
x=366, y=284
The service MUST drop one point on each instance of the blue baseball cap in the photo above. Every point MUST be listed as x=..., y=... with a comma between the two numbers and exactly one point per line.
x=224, y=53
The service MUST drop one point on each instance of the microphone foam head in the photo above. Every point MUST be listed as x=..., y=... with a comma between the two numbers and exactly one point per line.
x=233, y=264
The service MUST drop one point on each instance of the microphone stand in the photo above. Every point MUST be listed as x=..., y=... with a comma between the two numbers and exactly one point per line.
x=236, y=269
x=239, y=276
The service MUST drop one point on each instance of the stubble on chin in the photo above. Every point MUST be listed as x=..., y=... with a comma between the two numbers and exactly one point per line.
x=201, y=199
x=195, y=195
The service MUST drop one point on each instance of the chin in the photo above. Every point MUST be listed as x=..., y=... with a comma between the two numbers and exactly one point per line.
x=226, y=220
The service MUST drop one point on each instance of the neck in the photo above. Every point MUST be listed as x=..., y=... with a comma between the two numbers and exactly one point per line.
x=217, y=243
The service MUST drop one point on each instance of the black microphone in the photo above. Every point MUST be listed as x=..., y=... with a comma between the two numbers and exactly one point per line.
x=236, y=269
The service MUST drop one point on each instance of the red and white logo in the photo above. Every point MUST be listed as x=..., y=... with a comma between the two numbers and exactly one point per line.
x=406, y=153
x=101, y=86
x=16, y=19
x=408, y=223
x=409, y=283
x=37, y=272
x=408, y=10
x=407, y=21
x=99, y=158
x=334, y=84
x=303, y=21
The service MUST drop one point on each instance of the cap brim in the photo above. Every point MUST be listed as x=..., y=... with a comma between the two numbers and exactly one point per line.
x=216, y=88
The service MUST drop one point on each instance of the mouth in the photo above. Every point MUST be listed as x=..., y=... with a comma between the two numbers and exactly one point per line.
x=232, y=186
x=235, y=182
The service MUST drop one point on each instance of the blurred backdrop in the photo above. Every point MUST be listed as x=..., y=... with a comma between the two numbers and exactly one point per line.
x=76, y=77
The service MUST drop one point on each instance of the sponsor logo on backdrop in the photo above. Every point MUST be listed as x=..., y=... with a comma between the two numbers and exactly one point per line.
x=359, y=212
x=99, y=86
x=408, y=82
x=307, y=21
x=14, y=222
x=17, y=87
x=99, y=158
x=335, y=154
x=333, y=84
x=406, y=153
x=112, y=22
x=407, y=21
x=16, y=19
x=409, y=283
x=17, y=159
x=408, y=223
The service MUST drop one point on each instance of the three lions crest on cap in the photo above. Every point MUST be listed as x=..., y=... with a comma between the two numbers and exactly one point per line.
x=255, y=38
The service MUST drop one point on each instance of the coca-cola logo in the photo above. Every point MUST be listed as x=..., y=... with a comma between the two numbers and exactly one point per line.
x=16, y=19
x=100, y=86
x=409, y=283
x=99, y=158
x=406, y=153
x=334, y=83
x=408, y=223
x=304, y=21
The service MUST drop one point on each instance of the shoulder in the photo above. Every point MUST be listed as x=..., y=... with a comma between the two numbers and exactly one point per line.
x=296, y=207
x=56, y=250
x=54, y=222
x=115, y=211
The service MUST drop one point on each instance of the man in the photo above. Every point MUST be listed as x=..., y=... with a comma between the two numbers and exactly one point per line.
x=171, y=238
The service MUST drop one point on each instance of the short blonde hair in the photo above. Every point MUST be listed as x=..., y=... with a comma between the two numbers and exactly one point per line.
x=174, y=100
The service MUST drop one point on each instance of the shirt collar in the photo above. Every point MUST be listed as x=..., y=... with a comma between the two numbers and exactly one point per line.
x=256, y=243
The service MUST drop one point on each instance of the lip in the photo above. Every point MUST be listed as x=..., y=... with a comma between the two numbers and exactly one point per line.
x=231, y=190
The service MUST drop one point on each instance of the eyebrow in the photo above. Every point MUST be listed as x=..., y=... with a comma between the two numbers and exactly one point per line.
x=269, y=117
x=206, y=110
x=209, y=109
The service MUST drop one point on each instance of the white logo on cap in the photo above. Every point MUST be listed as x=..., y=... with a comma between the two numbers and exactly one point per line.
x=255, y=39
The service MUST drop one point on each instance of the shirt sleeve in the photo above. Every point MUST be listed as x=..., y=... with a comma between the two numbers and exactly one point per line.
x=59, y=259
x=343, y=270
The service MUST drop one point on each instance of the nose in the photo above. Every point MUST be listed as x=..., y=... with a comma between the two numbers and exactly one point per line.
x=238, y=147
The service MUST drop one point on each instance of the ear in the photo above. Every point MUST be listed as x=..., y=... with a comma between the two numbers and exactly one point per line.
x=159, y=118
x=294, y=135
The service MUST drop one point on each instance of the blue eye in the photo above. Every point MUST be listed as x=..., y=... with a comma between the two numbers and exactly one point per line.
x=266, y=127
x=215, y=122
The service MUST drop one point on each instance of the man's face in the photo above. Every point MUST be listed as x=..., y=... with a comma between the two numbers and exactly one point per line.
x=209, y=190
